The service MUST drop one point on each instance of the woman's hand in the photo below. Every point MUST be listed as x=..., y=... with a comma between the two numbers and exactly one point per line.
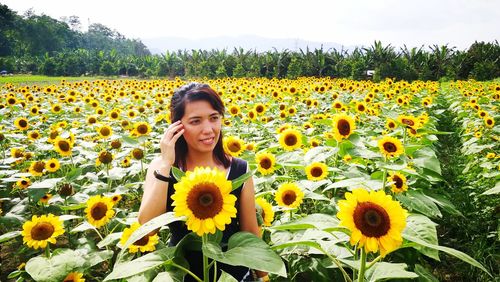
x=167, y=142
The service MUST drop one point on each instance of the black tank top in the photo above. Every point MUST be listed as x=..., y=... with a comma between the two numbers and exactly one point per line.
x=178, y=230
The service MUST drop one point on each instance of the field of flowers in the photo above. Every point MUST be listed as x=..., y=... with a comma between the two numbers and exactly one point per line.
x=350, y=179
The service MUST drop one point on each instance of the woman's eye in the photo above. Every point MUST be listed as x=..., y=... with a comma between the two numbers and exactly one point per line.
x=195, y=122
x=215, y=118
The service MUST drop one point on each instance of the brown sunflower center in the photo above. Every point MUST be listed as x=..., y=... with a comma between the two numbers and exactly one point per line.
x=39, y=166
x=234, y=146
x=361, y=108
x=138, y=154
x=290, y=139
x=408, y=122
x=205, y=200
x=105, y=157
x=105, y=131
x=42, y=231
x=289, y=197
x=34, y=135
x=52, y=165
x=115, y=144
x=23, y=123
x=489, y=121
x=390, y=147
x=316, y=171
x=143, y=241
x=371, y=219
x=142, y=129
x=259, y=108
x=99, y=210
x=114, y=115
x=265, y=163
x=344, y=127
x=398, y=182
x=234, y=111
x=63, y=145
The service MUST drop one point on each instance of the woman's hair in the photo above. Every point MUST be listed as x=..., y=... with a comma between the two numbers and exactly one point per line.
x=189, y=93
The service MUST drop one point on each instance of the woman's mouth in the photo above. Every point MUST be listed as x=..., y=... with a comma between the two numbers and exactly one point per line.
x=208, y=141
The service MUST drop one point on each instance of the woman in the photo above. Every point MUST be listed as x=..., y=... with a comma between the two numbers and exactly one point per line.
x=194, y=139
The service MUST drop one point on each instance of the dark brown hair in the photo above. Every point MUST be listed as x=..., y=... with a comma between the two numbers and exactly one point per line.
x=189, y=93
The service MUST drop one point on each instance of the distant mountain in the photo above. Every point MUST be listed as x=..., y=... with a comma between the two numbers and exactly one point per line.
x=247, y=42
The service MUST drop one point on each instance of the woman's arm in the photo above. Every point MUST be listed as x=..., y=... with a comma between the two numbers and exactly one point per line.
x=154, y=199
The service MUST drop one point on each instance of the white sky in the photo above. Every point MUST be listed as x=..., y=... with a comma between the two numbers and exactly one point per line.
x=348, y=22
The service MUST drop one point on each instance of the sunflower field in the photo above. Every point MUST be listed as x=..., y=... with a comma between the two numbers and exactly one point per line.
x=354, y=180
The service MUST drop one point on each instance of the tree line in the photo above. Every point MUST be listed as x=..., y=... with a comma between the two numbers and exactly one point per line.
x=42, y=45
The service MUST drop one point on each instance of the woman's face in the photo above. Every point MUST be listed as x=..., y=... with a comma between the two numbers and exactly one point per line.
x=202, y=126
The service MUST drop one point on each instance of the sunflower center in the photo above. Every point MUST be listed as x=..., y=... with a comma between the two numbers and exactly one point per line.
x=63, y=145
x=23, y=123
x=371, y=219
x=42, y=231
x=39, y=166
x=105, y=157
x=143, y=241
x=316, y=171
x=205, y=200
x=408, y=122
x=142, y=129
x=265, y=163
x=397, y=181
x=138, y=154
x=105, y=131
x=290, y=140
x=99, y=211
x=289, y=197
x=234, y=146
x=114, y=115
x=234, y=111
x=344, y=127
x=390, y=147
x=259, y=109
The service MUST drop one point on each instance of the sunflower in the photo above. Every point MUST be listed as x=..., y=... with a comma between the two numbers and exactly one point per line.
x=99, y=210
x=56, y=108
x=343, y=126
x=266, y=210
x=21, y=123
x=259, y=108
x=66, y=190
x=37, y=168
x=105, y=131
x=104, y=157
x=203, y=196
x=52, y=165
x=74, y=277
x=63, y=146
x=408, y=121
x=360, y=107
x=316, y=171
x=42, y=230
x=489, y=122
x=289, y=195
x=145, y=244
x=137, y=153
x=126, y=162
x=116, y=198
x=399, y=184
x=234, y=110
x=290, y=139
x=250, y=146
x=265, y=162
x=390, y=124
x=374, y=219
x=233, y=145
x=33, y=135
x=17, y=152
x=45, y=199
x=390, y=146
x=23, y=183
x=142, y=128
x=116, y=144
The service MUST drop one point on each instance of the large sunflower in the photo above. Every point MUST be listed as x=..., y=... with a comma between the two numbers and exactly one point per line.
x=266, y=210
x=145, y=244
x=63, y=146
x=289, y=195
x=203, y=196
x=290, y=139
x=33, y=135
x=37, y=168
x=105, y=131
x=42, y=230
x=265, y=162
x=22, y=123
x=142, y=128
x=316, y=171
x=233, y=145
x=343, y=126
x=390, y=146
x=74, y=277
x=99, y=210
x=52, y=165
x=374, y=219
x=489, y=121
x=399, y=184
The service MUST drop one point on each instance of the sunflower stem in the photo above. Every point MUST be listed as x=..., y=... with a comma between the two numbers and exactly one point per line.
x=384, y=179
x=187, y=271
x=206, y=277
x=47, y=251
x=373, y=262
x=215, y=271
x=404, y=136
x=362, y=269
x=109, y=179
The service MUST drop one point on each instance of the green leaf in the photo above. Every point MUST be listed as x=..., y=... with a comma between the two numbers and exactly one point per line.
x=225, y=277
x=318, y=221
x=73, y=207
x=74, y=174
x=384, y=270
x=246, y=249
x=494, y=190
x=110, y=239
x=417, y=201
x=96, y=258
x=319, y=154
x=163, y=277
x=141, y=264
x=458, y=254
x=178, y=174
x=55, y=268
x=422, y=227
x=10, y=235
x=47, y=183
x=426, y=158
x=424, y=275
x=240, y=180
x=129, y=140
x=444, y=203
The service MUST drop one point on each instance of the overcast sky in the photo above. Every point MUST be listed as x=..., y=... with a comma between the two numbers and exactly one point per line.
x=348, y=22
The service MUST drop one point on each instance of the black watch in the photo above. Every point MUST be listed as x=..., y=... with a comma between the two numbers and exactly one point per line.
x=162, y=177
